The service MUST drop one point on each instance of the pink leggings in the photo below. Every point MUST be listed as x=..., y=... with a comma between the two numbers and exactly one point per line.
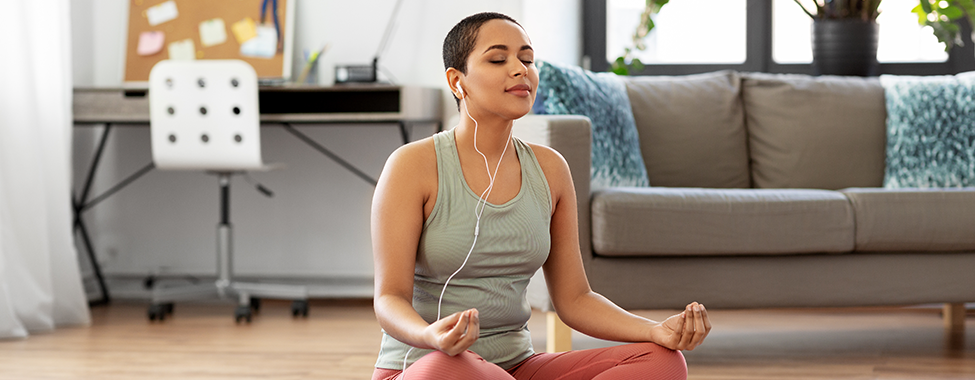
x=630, y=361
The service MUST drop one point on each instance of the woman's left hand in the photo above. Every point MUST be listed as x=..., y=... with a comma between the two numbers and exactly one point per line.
x=684, y=331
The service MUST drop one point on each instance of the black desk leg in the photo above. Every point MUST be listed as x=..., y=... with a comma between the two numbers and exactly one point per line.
x=321, y=149
x=79, y=223
x=80, y=226
x=405, y=132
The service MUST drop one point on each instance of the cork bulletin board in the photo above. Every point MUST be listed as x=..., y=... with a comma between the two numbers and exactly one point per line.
x=176, y=22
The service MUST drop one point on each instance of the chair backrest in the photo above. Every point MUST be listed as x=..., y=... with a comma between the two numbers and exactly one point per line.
x=204, y=115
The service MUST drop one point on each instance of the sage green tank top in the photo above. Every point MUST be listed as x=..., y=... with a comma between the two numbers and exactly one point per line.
x=513, y=243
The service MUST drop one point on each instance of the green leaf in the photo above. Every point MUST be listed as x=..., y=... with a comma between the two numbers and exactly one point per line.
x=926, y=6
x=637, y=64
x=619, y=70
x=619, y=67
x=922, y=17
x=953, y=12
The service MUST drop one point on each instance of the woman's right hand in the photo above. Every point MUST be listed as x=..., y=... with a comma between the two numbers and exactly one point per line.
x=455, y=333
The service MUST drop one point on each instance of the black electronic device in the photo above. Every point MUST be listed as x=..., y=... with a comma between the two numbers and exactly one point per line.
x=357, y=73
x=367, y=73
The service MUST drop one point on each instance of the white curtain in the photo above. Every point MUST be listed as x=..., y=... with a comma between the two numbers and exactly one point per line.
x=40, y=281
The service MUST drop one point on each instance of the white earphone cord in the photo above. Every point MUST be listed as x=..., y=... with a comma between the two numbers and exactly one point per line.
x=478, y=210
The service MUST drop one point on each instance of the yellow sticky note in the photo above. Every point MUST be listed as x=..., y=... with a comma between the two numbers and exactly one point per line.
x=213, y=32
x=244, y=30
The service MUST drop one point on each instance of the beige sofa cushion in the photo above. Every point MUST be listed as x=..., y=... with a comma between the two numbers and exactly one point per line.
x=692, y=129
x=691, y=221
x=914, y=220
x=815, y=132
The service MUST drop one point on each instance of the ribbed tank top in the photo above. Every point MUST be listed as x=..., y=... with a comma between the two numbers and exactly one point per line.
x=513, y=242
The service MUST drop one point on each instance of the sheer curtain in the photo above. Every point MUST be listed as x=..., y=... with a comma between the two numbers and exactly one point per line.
x=40, y=281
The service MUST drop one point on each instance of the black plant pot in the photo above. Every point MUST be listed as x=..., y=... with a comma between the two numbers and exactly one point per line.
x=845, y=47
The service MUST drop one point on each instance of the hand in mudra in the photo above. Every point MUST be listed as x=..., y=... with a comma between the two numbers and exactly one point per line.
x=455, y=333
x=684, y=331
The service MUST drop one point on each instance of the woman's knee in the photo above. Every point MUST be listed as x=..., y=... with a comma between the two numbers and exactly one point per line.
x=667, y=363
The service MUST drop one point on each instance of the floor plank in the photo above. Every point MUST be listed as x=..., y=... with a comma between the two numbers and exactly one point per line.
x=340, y=339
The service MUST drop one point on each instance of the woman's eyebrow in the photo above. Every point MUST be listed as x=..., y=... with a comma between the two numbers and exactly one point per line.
x=505, y=48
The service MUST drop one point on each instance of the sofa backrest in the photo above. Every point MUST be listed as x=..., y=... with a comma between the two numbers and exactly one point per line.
x=823, y=132
x=692, y=129
x=737, y=130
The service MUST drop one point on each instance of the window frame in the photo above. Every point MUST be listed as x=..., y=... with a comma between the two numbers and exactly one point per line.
x=758, y=50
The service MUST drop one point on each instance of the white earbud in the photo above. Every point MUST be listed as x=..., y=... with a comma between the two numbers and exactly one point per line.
x=460, y=89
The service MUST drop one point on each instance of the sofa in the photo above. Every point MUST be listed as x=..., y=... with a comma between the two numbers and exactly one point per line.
x=765, y=191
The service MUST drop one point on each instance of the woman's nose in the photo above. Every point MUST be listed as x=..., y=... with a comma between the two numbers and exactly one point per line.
x=520, y=69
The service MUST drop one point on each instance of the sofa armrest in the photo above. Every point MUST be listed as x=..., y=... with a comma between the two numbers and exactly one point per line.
x=571, y=136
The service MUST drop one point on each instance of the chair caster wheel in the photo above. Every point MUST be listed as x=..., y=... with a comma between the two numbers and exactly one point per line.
x=299, y=308
x=243, y=313
x=255, y=304
x=158, y=311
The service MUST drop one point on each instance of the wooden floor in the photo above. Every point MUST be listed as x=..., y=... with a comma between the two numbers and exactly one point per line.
x=339, y=340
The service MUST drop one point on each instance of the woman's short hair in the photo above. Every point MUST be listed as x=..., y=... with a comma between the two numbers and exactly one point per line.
x=459, y=43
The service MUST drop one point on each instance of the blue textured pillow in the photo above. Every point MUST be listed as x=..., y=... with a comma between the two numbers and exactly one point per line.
x=568, y=90
x=930, y=131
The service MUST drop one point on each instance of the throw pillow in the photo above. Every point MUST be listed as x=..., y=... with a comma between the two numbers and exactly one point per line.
x=930, y=131
x=569, y=90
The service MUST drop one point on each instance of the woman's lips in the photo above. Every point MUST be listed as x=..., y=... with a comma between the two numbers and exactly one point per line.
x=519, y=90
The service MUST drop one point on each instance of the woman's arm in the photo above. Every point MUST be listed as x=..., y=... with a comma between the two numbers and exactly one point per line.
x=587, y=311
x=406, y=186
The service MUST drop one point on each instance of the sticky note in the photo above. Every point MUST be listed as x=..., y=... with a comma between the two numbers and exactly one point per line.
x=244, y=30
x=213, y=32
x=265, y=45
x=161, y=13
x=182, y=50
x=150, y=42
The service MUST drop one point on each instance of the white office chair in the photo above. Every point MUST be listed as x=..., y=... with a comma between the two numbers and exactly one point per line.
x=204, y=115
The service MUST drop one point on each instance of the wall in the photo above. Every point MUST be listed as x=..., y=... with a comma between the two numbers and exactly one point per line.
x=316, y=227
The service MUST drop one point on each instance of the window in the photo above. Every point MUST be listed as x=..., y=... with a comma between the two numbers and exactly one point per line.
x=693, y=36
x=718, y=32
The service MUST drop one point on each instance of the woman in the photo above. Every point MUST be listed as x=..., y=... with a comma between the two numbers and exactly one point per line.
x=461, y=221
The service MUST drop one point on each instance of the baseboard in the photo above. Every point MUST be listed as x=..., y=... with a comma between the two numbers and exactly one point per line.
x=132, y=287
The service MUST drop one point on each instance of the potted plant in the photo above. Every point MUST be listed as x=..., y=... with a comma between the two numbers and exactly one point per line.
x=944, y=17
x=844, y=36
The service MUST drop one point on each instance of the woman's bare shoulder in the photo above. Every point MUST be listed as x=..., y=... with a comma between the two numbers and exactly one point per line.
x=411, y=162
x=551, y=161
x=416, y=152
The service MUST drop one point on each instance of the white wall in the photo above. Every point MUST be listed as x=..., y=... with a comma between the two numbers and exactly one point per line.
x=317, y=225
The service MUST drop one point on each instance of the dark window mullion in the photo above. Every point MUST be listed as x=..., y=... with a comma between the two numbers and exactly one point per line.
x=759, y=23
x=594, y=33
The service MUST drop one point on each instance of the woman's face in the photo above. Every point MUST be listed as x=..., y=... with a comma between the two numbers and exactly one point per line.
x=501, y=74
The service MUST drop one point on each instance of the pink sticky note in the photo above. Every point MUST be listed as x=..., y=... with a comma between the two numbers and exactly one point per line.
x=151, y=42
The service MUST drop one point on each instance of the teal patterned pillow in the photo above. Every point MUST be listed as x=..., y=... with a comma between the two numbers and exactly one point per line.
x=616, y=157
x=930, y=131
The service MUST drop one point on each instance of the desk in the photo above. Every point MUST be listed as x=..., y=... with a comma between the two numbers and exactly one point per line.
x=347, y=104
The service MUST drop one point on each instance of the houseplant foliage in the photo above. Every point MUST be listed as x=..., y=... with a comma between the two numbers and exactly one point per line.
x=943, y=16
x=865, y=10
x=626, y=63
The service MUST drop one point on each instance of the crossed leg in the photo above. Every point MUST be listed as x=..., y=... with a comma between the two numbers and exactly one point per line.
x=630, y=361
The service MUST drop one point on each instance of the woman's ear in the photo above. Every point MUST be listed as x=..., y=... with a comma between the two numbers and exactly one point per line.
x=453, y=80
